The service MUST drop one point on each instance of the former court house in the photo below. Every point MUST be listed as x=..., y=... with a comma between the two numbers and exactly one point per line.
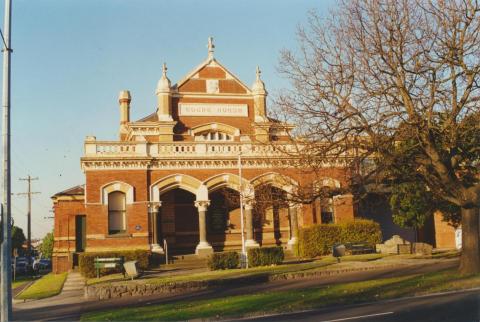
x=174, y=175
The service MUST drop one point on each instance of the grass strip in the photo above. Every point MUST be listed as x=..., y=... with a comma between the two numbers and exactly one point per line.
x=293, y=300
x=49, y=285
x=236, y=273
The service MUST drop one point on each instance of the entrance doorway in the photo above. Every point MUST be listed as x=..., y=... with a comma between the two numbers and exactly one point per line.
x=80, y=233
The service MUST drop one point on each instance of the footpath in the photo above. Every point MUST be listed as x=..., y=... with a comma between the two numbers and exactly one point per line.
x=71, y=303
x=72, y=292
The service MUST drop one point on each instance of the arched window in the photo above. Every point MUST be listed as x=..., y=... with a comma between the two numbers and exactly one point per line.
x=328, y=216
x=213, y=136
x=116, y=212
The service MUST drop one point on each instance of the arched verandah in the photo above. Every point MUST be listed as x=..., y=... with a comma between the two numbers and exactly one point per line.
x=275, y=212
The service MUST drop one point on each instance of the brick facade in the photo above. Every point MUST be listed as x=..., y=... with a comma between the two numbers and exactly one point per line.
x=173, y=179
x=444, y=232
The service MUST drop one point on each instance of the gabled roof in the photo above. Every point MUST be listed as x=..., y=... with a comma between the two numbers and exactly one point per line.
x=212, y=62
x=74, y=191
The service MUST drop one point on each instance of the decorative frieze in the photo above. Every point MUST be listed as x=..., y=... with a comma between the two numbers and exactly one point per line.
x=154, y=164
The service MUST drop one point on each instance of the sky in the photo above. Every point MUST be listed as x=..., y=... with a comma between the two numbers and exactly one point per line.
x=71, y=58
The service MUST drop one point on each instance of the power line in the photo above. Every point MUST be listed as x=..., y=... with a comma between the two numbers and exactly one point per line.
x=29, y=194
x=4, y=42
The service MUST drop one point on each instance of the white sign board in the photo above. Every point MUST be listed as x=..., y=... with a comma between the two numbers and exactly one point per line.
x=211, y=109
x=458, y=238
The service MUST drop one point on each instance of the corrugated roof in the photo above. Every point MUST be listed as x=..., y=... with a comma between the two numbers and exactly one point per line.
x=74, y=191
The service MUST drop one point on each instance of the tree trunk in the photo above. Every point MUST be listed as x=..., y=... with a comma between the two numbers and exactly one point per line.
x=470, y=258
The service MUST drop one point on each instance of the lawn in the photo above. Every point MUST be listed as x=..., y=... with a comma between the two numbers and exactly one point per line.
x=236, y=273
x=293, y=300
x=49, y=285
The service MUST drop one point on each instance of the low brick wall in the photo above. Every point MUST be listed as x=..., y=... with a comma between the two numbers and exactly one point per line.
x=108, y=291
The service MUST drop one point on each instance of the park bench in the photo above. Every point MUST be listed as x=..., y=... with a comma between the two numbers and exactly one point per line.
x=339, y=250
x=359, y=248
x=110, y=262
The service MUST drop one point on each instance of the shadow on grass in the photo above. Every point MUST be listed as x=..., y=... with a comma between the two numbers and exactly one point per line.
x=285, y=301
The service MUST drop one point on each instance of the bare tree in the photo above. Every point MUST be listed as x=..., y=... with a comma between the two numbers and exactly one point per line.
x=378, y=72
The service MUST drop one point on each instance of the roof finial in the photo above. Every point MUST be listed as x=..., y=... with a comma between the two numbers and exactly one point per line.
x=164, y=70
x=211, y=47
x=163, y=85
x=258, y=86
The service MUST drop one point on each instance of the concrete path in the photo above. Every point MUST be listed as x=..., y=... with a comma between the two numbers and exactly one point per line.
x=72, y=292
x=73, y=286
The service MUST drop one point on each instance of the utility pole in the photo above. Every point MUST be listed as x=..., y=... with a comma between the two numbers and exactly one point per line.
x=6, y=240
x=29, y=194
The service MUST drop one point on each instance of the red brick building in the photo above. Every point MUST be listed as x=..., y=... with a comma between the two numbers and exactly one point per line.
x=174, y=176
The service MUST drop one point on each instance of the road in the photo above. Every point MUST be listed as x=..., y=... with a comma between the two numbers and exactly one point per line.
x=55, y=309
x=458, y=307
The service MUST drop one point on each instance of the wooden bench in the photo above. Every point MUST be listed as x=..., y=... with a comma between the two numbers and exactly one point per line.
x=111, y=262
x=359, y=248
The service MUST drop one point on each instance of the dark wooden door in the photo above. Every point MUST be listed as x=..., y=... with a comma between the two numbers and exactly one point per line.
x=80, y=233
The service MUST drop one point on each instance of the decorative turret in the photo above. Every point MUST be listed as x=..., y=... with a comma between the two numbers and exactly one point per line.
x=164, y=100
x=124, y=100
x=259, y=98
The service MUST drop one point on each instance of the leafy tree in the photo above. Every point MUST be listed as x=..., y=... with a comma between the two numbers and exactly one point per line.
x=18, y=238
x=411, y=205
x=46, y=248
x=378, y=72
x=411, y=201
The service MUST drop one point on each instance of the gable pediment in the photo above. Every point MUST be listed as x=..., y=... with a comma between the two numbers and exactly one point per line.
x=212, y=78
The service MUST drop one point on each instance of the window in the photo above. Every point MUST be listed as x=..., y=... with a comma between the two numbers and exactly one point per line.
x=327, y=211
x=116, y=213
x=213, y=136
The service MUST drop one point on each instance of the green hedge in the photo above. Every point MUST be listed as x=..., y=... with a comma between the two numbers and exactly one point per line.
x=87, y=267
x=225, y=260
x=318, y=240
x=265, y=256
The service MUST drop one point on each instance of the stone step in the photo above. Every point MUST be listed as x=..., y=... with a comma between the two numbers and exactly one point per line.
x=77, y=280
x=76, y=283
x=65, y=289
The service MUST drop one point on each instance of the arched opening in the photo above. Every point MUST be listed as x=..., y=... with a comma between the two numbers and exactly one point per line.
x=213, y=136
x=178, y=222
x=323, y=205
x=323, y=210
x=117, y=213
x=223, y=219
x=271, y=219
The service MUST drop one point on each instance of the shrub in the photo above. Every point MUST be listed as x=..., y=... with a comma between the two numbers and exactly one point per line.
x=318, y=240
x=225, y=260
x=265, y=256
x=361, y=230
x=87, y=267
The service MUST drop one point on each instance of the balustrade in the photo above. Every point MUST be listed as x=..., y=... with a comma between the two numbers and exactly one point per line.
x=179, y=149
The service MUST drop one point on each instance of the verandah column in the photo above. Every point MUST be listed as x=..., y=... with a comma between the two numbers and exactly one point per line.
x=249, y=242
x=203, y=248
x=292, y=210
x=154, y=209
